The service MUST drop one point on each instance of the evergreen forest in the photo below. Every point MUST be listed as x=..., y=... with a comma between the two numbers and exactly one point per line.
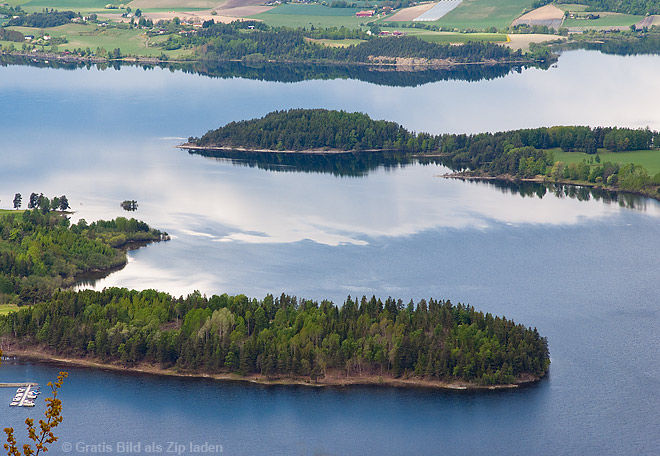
x=283, y=336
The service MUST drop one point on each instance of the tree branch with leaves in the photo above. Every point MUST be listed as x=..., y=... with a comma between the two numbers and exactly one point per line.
x=43, y=435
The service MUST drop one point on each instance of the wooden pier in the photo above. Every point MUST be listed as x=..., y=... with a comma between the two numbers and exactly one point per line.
x=18, y=385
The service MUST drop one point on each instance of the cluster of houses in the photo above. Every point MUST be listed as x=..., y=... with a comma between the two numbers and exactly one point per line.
x=371, y=13
x=394, y=33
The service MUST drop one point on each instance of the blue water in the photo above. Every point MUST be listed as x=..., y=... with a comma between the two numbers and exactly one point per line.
x=585, y=273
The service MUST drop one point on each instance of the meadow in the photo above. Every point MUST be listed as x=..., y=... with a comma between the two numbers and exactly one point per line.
x=449, y=37
x=649, y=159
x=130, y=41
x=605, y=20
x=482, y=14
x=82, y=6
x=300, y=15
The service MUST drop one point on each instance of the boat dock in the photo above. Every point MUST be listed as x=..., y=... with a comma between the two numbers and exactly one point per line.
x=17, y=385
x=25, y=395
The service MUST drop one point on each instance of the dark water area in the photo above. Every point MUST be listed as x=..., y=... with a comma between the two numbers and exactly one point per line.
x=582, y=267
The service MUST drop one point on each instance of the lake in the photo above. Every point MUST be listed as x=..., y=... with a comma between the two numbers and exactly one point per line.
x=583, y=270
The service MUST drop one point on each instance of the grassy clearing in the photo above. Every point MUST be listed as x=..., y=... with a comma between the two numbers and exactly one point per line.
x=610, y=20
x=482, y=14
x=82, y=6
x=62, y=5
x=6, y=308
x=312, y=10
x=299, y=15
x=649, y=159
x=11, y=211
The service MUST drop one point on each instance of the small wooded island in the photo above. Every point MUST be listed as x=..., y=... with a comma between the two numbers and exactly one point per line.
x=527, y=154
x=275, y=340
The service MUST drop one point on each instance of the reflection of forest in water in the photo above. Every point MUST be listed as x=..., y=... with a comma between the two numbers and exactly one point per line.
x=349, y=164
x=643, y=44
x=385, y=75
x=359, y=164
x=580, y=193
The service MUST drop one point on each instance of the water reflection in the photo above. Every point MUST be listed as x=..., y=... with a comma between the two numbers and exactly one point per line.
x=579, y=193
x=386, y=76
x=360, y=164
x=355, y=164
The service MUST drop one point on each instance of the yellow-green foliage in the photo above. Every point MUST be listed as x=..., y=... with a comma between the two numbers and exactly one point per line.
x=43, y=435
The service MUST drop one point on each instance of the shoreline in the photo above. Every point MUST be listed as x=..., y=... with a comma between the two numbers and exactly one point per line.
x=35, y=354
x=190, y=146
x=409, y=64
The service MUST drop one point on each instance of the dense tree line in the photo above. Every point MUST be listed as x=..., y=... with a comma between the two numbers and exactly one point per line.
x=41, y=250
x=304, y=129
x=45, y=19
x=255, y=40
x=11, y=35
x=284, y=336
x=525, y=153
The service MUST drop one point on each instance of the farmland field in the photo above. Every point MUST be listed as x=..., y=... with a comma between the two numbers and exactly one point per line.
x=73, y=5
x=571, y=7
x=83, y=36
x=449, y=37
x=608, y=20
x=482, y=14
x=649, y=159
x=298, y=15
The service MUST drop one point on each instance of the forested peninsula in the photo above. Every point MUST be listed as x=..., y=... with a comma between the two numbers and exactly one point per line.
x=282, y=339
x=274, y=340
x=41, y=251
x=526, y=154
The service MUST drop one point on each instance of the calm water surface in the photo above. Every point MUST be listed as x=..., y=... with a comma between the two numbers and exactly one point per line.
x=585, y=273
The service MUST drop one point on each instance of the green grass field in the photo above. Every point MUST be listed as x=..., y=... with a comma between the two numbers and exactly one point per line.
x=299, y=15
x=482, y=14
x=611, y=20
x=91, y=36
x=6, y=308
x=649, y=159
x=449, y=37
x=82, y=6
x=11, y=211
x=571, y=7
x=74, y=5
